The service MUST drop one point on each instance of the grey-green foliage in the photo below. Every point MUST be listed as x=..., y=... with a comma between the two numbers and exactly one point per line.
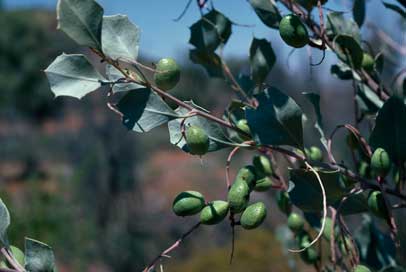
x=144, y=110
x=81, y=20
x=73, y=75
x=4, y=223
x=267, y=12
x=277, y=120
x=120, y=38
x=262, y=59
x=39, y=257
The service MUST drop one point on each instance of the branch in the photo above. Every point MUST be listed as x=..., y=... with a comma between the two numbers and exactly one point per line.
x=171, y=248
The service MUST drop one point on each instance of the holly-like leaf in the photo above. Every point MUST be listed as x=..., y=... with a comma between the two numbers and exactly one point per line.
x=4, y=223
x=39, y=257
x=395, y=8
x=210, y=31
x=337, y=24
x=215, y=132
x=369, y=97
x=209, y=60
x=390, y=130
x=267, y=12
x=120, y=37
x=358, y=12
x=81, y=20
x=318, y=124
x=349, y=50
x=73, y=75
x=262, y=59
x=277, y=120
x=144, y=110
x=115, y=75
x=306, y=192
x=355, y=203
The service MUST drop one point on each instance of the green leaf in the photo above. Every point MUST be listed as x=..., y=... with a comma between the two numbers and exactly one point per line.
x=215, y=132
x=372, y=100
x=262, y=59
x=73, y=75
x=246, y=84
x=355, y=203
x=349, y=50
x=120, y=37
x=144, y=110
x=341, y=71
x=235, y=112
x=4, y=223
x=210, y=31
x=358, y=12
x=402, y=2
x=114, y=75
x=277, y=120
x=318, y=125
x=267, y=12
x=379, y=62
x=337, y=24
x=306, y=192
x=209, y=60
x=39, y=257
x=81, y=20
x=395, y=8
x=390, y=129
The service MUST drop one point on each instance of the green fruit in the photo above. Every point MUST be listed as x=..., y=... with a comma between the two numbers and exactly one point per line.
x=238, y=196
x=361, y=268
x=262, y=165
x=310, y=256
x=188, y=203
x=197, y=140
x=283, y=201
x=380, y=162
x=327, y=229
x=376, y=204
x=315, y=154
x=368, y=62
x=214, y=212
x=242, y=124
x=295, y=222
x=352, y=141
x=167, y=74
x=263, y=184
x=343, y=247
x=247, y=174
x=364, y=170
x=17, y=254
x=293, y=31
x=253, y=216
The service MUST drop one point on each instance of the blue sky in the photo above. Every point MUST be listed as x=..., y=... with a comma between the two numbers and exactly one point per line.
x=161, y=36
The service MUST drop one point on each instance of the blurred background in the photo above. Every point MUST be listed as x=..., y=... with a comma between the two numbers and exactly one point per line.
x=74, y=177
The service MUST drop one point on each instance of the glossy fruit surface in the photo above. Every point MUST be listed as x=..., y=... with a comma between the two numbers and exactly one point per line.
x=263, y=184
x=293, y=31
x=368, y=62
x=243, y=125
x=380, y=162
x=262, y=165
x=167, y=74
x=197, y=140
x=295, y=222
x=376, y=204
x=253, y=216
x=315, y=154
x=214, y=212
x=238, y=196
x=247, y=174
x=188, y=203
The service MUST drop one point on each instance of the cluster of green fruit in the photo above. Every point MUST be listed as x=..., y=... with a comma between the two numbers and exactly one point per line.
x=378, y=167
x=250, y=178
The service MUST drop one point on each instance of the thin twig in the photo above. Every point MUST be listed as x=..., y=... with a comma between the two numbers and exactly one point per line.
x=171, y=248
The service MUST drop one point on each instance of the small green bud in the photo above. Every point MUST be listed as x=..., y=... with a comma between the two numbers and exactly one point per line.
x=197, y=140
x=263, y=184
x=262, y=165
x=214, y=212
x=167, y=74
x=380, y=162
x=295, y=222
x=361, y=268
x=368, y=62
x=376, y=204
x=293, y=32
x=314, y=153
x=243, y=125
x=283, y=201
